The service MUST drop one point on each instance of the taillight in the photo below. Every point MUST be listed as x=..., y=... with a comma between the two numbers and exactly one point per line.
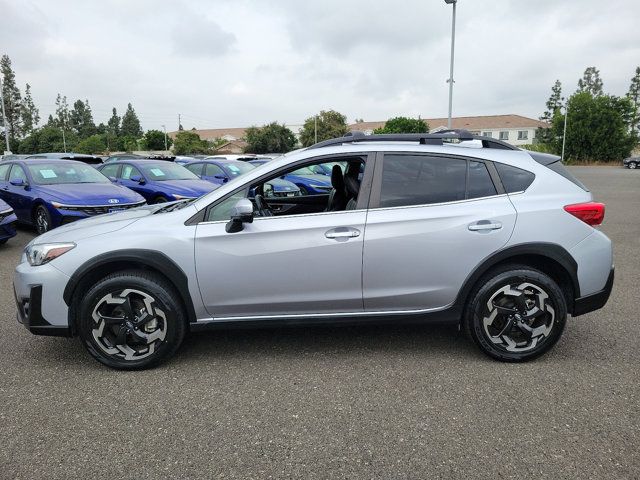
x=591, y=213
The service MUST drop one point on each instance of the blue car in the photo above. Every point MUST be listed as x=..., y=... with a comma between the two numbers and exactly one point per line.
x=93, y=160
x=158, y=181
x=308, y=181
x=7, y=222
x=48, y=193
x=220, y=171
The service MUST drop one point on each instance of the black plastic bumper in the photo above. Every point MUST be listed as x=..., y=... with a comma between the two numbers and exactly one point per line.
x=30, y=315
x=595, y=301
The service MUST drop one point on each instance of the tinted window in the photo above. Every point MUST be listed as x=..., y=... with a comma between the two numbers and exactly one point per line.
x=17, y=173
x=110, y=170
x=129, y=171
x=419, y=180
x=211, y=170
x=3, y=171
x=195, y=168
x=514, y=179
x=480, y=183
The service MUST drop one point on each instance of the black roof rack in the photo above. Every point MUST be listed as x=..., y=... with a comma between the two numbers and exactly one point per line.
x=436, y=138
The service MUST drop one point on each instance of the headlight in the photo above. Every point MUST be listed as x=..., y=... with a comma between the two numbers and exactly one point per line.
x=40, y=254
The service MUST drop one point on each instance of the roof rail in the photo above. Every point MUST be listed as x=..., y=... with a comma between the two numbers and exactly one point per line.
x=436, y=138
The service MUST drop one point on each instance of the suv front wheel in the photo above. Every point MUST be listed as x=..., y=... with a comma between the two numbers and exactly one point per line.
x=516, y=313
x=131, y=320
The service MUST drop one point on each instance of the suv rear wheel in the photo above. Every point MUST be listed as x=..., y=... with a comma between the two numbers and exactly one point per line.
x=131, y=320
x=516, y=313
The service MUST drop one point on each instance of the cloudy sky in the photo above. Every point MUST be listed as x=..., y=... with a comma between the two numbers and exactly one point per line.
x=242, y=62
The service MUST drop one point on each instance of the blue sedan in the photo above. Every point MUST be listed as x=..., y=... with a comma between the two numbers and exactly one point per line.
x=157, y=181
x=220, y=171
x=48, y=193
x=308, y=181
x=7, y=222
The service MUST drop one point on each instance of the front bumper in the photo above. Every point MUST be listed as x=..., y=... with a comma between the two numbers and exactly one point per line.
x=38, y=295
x=595, y=301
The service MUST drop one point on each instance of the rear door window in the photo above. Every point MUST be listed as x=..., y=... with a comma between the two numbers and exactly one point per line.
x=480, y=183
x=421, y=179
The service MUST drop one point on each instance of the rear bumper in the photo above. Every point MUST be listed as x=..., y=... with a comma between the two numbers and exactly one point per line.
x=30, y=315
x=595, y=301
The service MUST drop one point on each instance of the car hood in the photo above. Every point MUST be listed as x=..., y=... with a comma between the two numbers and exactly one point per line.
x=187, y=188
x=280, y=185
x=96, y=225
x=89, y=193
x=315, y=179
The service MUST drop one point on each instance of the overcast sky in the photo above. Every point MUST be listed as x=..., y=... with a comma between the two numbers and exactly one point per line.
x=244, y=62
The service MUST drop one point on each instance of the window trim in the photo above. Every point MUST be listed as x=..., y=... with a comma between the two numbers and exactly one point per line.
x=500, y=135
x=526, y=135
x=364, y=196
x=374, y=203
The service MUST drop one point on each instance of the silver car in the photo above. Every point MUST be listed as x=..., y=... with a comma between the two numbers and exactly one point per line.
x=429, y=227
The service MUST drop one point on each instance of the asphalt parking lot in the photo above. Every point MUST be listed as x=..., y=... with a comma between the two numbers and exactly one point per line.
x=352, y=402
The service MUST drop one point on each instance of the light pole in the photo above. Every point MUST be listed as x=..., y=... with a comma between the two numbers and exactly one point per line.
x=564, y=132
x=165, y=137
x=7, y=148
x=453, y=44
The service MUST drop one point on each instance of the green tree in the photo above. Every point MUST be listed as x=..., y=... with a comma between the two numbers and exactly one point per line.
x=130, y=123
x=271, y=138
x=129, y=143
x=48, y=139
x=403, y=125
x=187, y=142
x=93, y=144
x=29, y=112
x=81, y=119
x=596, y=128
x=554, y=103
x=634, y=97
x=330, y=124
x=591, y=82
x=12, y=98
x=154, y=140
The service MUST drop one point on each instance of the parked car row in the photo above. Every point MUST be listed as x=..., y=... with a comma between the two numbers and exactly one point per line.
x=49, y=190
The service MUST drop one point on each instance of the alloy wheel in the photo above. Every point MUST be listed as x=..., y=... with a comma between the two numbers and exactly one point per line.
x=519, y=317
x=42, y=222
x=129, y=325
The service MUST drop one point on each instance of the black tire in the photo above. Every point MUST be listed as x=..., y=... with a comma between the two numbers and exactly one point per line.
x=117, y=344
x=160, y=199
x=527, y=316
x=42, y=219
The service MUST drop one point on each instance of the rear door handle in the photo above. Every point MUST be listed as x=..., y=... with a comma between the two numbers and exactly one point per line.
x=484, y=225
x=342, y=233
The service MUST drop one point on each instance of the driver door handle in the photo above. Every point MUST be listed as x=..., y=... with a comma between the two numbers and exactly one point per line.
x=342, y=233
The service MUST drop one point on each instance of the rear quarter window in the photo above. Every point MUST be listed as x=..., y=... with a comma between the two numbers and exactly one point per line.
x=514, y=179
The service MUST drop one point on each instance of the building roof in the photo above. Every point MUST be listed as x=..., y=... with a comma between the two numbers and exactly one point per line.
x=213, y=133
x=484, y=122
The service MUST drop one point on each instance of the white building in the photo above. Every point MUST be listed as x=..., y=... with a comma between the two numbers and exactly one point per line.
x=515, y=129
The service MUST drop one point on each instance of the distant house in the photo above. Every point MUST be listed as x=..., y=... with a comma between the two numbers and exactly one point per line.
x=229, y=134
x=515, y=129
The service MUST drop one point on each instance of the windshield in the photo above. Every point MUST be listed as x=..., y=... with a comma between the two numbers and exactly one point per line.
x=159, y=172
x=57, y=173
x=236, y=169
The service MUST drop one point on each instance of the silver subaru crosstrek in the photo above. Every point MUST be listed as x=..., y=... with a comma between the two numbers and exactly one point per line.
x=422, y=227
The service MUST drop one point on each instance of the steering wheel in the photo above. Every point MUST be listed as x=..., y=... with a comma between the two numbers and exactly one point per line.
x=262, y=206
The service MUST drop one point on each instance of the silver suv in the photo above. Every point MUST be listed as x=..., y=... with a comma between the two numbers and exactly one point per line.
x=428, y=227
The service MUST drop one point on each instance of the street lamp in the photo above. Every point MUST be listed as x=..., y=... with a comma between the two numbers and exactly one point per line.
x=453, y=43
x=564, y=132
x=165, y=137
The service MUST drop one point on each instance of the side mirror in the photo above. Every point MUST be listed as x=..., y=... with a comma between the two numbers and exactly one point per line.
x=137, y=179
x=18, y=182
x=240, y=214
